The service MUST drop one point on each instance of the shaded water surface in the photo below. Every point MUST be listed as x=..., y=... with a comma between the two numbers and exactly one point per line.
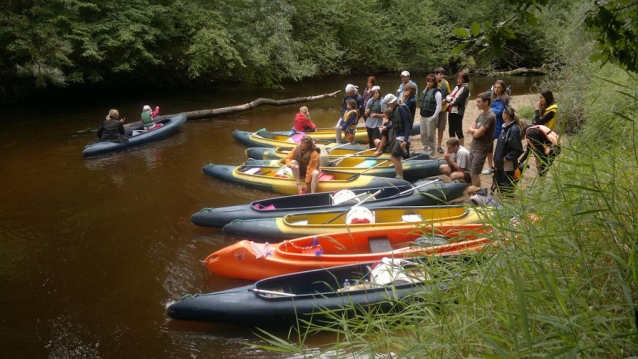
x=93, y=250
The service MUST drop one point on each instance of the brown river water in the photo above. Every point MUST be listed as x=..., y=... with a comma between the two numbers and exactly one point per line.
x=93, y=250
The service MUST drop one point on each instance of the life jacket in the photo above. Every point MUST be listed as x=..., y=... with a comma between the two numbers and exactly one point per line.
x=428, y=101
x=347, y=115
x=551, y=123
x=376, y=105
x=444, y=92
x=397, y=121
x=147, y=120
x=304, y=159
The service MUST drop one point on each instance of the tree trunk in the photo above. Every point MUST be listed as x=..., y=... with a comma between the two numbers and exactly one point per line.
x=519, y=72
x=200, y=114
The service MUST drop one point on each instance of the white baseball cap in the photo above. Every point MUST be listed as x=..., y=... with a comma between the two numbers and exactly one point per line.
x=351, y=87
x=389, y=98
x=405, y=73
x=375, y=88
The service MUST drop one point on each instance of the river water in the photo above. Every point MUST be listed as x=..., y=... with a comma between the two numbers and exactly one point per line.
x=92, y=250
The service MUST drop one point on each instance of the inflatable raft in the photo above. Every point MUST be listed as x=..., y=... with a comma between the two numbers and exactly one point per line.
x=282, y=300
x=334, y=221
x=255, y=261
x=137, y=137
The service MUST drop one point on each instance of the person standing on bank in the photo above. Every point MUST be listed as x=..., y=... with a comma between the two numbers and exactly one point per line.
x=405, y=79
x=112, y=128
x=367, y=93
x=350, y=120
x=401, y=124
x=444, y=86
x=409, y=99
x=457, y=101
x=430, y=105
x=303, y=160
x=374, y=115
x=508, y=149
x=546, y=111
x=545, y=145
x=351, y=94
x=482, y=131
x=500, y=100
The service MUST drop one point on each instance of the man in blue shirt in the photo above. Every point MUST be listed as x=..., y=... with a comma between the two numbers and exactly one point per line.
x=405, y=78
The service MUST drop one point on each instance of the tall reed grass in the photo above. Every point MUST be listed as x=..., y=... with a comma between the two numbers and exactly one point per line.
x=560, y=283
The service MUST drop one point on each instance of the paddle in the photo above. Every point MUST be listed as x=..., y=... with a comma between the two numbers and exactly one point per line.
x=335, y=147
x=380, y=163
x=413, y=188
x=263, y=291
x=356, y=205
x=350, y=155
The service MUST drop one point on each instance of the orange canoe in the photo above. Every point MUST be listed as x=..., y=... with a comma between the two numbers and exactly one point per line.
x=255, y=261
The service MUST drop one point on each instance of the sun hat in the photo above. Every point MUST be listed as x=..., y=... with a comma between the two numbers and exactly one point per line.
x=389, y=98
x=375, y=88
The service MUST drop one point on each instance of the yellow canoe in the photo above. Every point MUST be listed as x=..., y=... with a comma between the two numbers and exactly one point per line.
x=275, y=139
x=263, y=177
x=300, y=225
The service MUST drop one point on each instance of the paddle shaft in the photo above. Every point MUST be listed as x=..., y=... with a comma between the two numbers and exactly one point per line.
x=350, y=155
x=380, y=163
x=262, y=291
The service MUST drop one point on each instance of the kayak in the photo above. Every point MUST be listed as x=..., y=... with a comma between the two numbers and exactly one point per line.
x=263, y=178
x=255, y=261
x=282, y=300
x=269, y=153
x=432, y=192
x=328, y=134
x=265, y=138
x=413, y=170
x=307, y=224
x=138, y=137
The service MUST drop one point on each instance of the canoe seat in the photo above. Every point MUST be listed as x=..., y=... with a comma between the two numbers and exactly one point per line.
x=325, y=177
x=379, y=244
x=366, y=164
x=412, y=218
x=264, y=208
x=252, y=171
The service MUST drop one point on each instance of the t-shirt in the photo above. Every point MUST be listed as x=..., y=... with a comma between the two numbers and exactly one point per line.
x=461, y=157
x=483, y=143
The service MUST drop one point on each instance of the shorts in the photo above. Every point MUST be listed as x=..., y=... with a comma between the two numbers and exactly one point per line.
x=396, y=150
x=442, y=121
x=477, y=160
x=466, y=176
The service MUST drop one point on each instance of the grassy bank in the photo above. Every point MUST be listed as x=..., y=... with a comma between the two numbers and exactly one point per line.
x=563, y=284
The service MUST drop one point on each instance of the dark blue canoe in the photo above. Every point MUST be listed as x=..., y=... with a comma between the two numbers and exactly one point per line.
x=170, y=125
x=281, y=300
x=430, y=194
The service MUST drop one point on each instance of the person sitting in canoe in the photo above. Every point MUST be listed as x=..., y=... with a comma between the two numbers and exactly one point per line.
x=303, y=122
x=112, y=128
x=304, y=162
x=148, y=116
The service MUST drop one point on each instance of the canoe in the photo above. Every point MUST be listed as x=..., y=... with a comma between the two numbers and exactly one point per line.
x=255, y=261
x=269, y=153
x=263, y=178
x=170, y=125
x=434, y=192
x=413, y=170
x=270, y=139
x=282, y=300
x=308, y=224
x=328, y=134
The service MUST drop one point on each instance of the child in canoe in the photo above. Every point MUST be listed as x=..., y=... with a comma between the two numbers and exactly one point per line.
x=303, y=122
x=148, y=116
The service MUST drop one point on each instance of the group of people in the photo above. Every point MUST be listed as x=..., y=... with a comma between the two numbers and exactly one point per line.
x=112, y=128
x=388, y=120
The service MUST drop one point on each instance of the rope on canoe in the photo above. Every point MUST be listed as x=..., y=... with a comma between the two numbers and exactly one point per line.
x=388, y=182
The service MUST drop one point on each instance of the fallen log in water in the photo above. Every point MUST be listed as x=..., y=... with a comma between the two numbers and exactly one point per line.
x=519, y=72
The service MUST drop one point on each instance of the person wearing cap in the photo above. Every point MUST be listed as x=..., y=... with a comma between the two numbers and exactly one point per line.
x=374, y=115
x=148, y=116
x=303, y=160
x=405, y=79
x=399, y=137
x=351, y=94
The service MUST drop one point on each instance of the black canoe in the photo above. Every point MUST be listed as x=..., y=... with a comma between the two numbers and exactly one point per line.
x=170, y=125
x=430, y=194
x=281, y=300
